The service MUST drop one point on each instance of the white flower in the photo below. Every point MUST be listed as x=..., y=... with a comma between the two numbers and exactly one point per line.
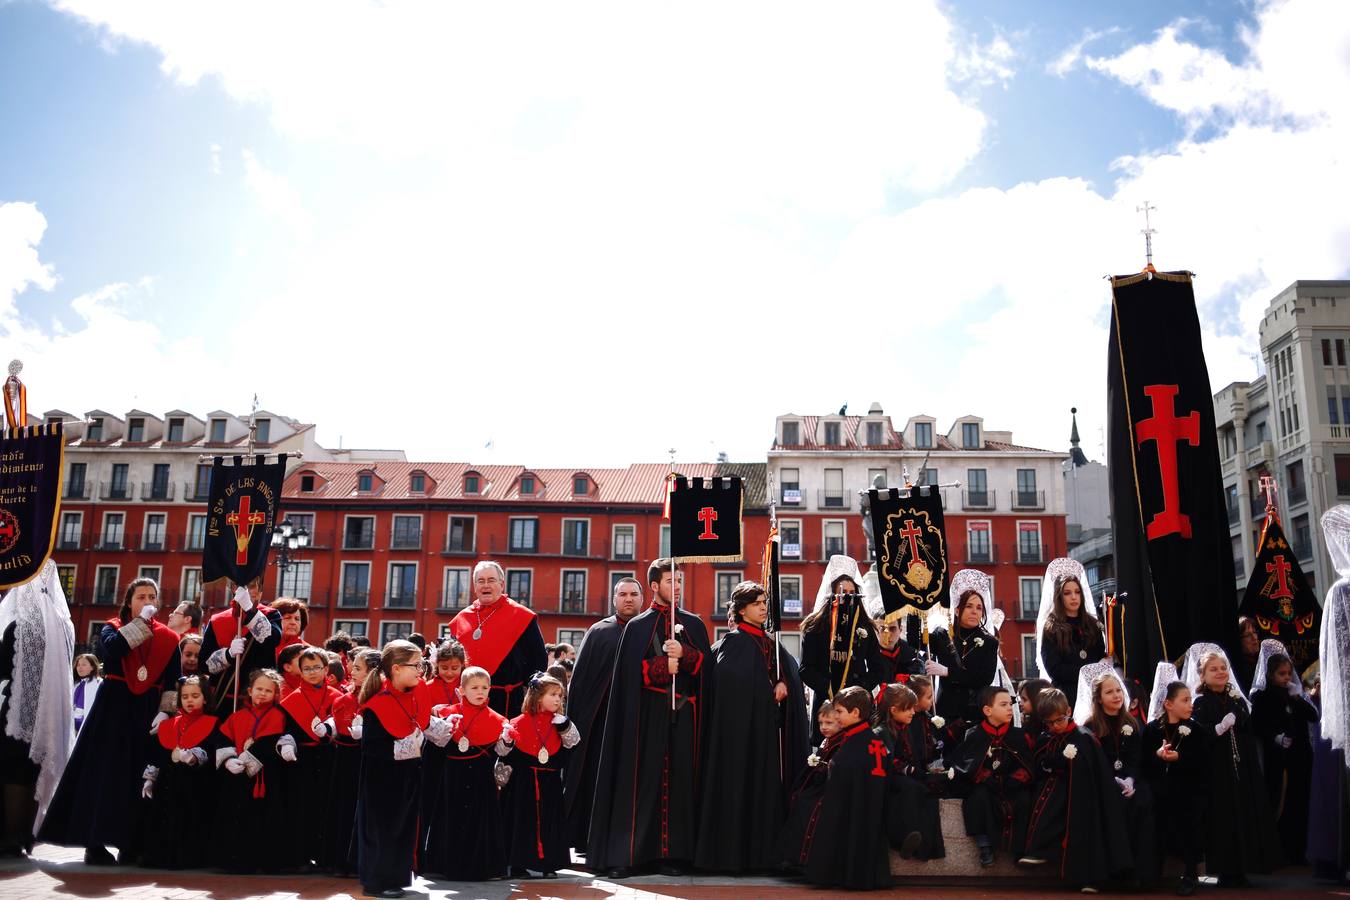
x=990, y=751
x=939, y=722
x=1184, y=730
x=1127, y=730
x=1231, y=688
x=979, y=642
x=679, y=627
x=813, y=760
x=862, y=633
x=951, y=773
x=1070, y=751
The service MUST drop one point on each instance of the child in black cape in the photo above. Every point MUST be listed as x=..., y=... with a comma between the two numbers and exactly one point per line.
x=532, y=808
x=394, y=727
x=1026, y=701
x=466, y=840
x=794, y=841
x=1175, y=754
x=346, y=775
x=1105, y=699
x=441, y=690
x=180, y=782
x=847, y=849
x=1240, y=833
x=913, y=818
x=309, y=722
x=249, y=797
x=1281, y=717
x=1077, y=819
x=991, y=771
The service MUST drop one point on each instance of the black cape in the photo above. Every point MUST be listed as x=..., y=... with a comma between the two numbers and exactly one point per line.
x=971, y=661
x=625, y=821
x=1124, y=754
x=754, y=752
x=386, y=811
x=587, y=699
x=913, y=791
x=1288, y=770
x=1062, y=664
x=993, y=774
x=1178, y=790
x=849, y=848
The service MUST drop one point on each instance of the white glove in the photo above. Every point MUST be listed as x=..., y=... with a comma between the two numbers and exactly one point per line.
x=234, y=765
x=1295, y=687
x=1284, y=741
x=158, y=720
x=194, y=757
x=508, y=733
x=252, y=765
x=319, y=728
x=438, y=731
x=147, y=789
x=356, y=728
x=935, y=668
x=148, y=612
x=1225, y=723
x=455, y=720
x=286, y=752
x=237, y=647
x=243, y=599
x=559, y=718
x=502, y=773
x=1126, y=786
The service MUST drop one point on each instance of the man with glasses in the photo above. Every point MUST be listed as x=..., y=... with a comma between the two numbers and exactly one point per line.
x=501, y=636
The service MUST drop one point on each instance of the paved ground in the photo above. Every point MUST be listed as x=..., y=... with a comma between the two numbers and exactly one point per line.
x=57, y=872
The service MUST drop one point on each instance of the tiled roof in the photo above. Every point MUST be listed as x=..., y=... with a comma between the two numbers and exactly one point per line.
x=640, y=483
x=849, y=432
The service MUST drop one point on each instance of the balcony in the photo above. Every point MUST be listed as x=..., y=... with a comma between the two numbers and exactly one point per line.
x=358, y=542
x=154, y=491
x=195, y=492
x=1028, y=500
x=1239, y=571
x=981, y=555
x=104, y=596
x=109, y=544
x=790, y=496
x=116, y=490
x=1032, y=555
x=977, y=500
x=1028, y=609
x=458, y=548
x=833, y=500
x=68, y=543
x=1302, y=551
x=453, y=600
x=406, y=541
x=77, y=490
x=1298, y=494
x=573, y=602
x=155, y=543
x=354, y=598
x=1234, y=514
x=399, y=599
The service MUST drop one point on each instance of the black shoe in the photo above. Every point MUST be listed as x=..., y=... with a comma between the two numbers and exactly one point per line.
x=986, y=856
x=388, y=892
x=671, y=870
x=910, y=844
x=98, y=856
x=619, y=872
x=1234, y=881
x=1186, y=886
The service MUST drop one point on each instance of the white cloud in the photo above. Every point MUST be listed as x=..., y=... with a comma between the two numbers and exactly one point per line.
x=277, y=196
x=21, y=229
x=215, y=159
x=1069, y=60
x=986, y=64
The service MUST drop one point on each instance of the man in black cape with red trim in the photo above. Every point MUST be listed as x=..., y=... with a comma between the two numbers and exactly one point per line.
x=646, y=789
x=757, y=741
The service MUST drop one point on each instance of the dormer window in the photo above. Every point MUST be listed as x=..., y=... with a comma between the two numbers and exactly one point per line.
x=417, y=483
x=95, y=430
x=175, y=431
x=263, y=433
x=306, y=484
x=581, y=485
x=875, y=434
x=923, y=435
x=470, y=484
x=527, y=484
x=970, y=435
x=365, y=482
x=135, y=430
x=832, y=434
x=217, y=431
x=792, y=434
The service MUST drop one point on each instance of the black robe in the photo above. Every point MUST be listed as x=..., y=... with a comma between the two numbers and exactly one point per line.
x=898, y=663
x=344, y=788
x=798, y=831
x=248, y=807
x=1240, y=834
x=310, y=777
x=824, y=675
x=993, y=776
x=1077, y=819
x=645, y=746
x=532, y=806
x=754, y=752
x=587, y=699
x=1329, y=813
x=1124, y=755
x=1288, y=772
x=172, y=818
x=386, y=810
x=971, y=662
x=1179, y=790
x=912, y=790
x=16, y=768
x=466, y=840
x=848, y=849
x=257, y=654
x=1062, y=664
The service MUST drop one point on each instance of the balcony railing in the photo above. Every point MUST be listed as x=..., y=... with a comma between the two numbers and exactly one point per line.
x=109, y=543
x=573, y=603
x=77, y=490
x=68, y=543
x=981, y=556
x=1028, y=609
x=155, y=543
x=354, y=598
x=1298, y=494
x=400, y=600
x=982, y=500
x=1023, y=500
x=406, y=541
x=154, y=491
x=1031, y=555
x=453, y=600
x=358, y=541
x=833, y=499
x=108, y=490
x=195, y=492
x=458, y=548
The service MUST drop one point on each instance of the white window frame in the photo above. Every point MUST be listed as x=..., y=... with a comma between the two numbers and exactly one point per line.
x=989, y=529
x=144, y=572
x=421, y=531
x=443, y=632
x=163, y=534
x=562, y=590
x=792, y=643
x=340, y=625
x=510, y=524
x=187, y=533
x=389, y=582
x=383, y=623
x=801, y=544
x=449, y=522
x=295, y=582
x=720, y=632
x=529, y=601
x=564, y=636
x=801, y=597
x=78, y=515
x=95, y=629
x=1022, y=580
x=1040, y=542
x=663, y=541
x=562, y=538
x=1029, y=655
x=721, y=607
x=824, y=524
x=183, y=582
x=103, y=532
x=342, y=582
x=441, y=601
x=614, y=541
x=374, y=531
x=614, y=575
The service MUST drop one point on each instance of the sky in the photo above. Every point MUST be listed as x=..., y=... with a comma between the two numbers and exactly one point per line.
x=581, y=234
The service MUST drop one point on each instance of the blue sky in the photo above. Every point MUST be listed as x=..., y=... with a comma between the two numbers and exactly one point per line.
x=588, y=235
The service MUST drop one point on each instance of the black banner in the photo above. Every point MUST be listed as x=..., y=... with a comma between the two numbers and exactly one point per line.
x=910, y=547
x=240, y=515
x=705, y=519
x=1174, y=556
x=769, y=578
x=1279, y=600
x=32, y=463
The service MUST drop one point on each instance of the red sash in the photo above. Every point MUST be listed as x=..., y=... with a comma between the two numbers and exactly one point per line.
x=482, y=725
x=502, y=627
x=154, y=655
x=529, y=730
x=307, y=703
x=185, y=731
x=248, y=724
x=399, y=713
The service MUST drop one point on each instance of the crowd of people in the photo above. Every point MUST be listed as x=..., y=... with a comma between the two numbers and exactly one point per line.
x=650, y=748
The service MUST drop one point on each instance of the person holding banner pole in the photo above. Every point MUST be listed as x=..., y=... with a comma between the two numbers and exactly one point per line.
x=239, y=640
x=840, y=647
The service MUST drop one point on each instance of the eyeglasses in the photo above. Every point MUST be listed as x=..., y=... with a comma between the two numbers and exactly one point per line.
x=310, y=670
x=1056, y=721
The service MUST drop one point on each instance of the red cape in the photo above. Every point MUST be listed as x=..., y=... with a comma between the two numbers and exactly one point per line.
x=185, y=732
x=306, y=703
x=225, y=624
x=484, y=723
x=154, y=654
x=441, y=692
x=399, y=714
x=530, y=728
x=248, y=724
x=344, y=711
x=502, y=627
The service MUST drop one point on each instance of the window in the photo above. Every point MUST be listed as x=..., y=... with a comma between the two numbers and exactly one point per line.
x=112, y=531
x=726, y=583
x=301, y=520
x=306, y=484
x=1296, y=488
x=576, y=537
x=297, y=580
x=970, y=435
x=1029, y=542
x=1030, y=596
x=117, y=488
x=664, y=549
x=923, y=435
x=455, y=592
x=358, y=533
x=365, y=483
x=581, y=485
x=354, y=627
x=262, y=431
x=625, y=542
x=573, y=591
x=196, y=533
x=1026, y=487
x=1230, y=494
x=524, y=536
x=977, y=487
x=105, y=585
x=417, y=484
x=789, y=481
x=71, y=525
x=1302, y=537
x=833, y=495
x=518, y=585
x=614, y=579
x=791, y=434
x=527, y=484
x=834, y=539
x=1326, y=352
x=790, y=539
x=407, y=533
x=217, y=431
x=159, y=482
x=95, y=430
x=355, y=584
x=192, y=585
x=175, y=431
x=1029, y=669
x=1340, y=352
x=832, y=434
x=790, y=593
x=571, y=636
x=394, y=631
x=875, y=434
x=1239, y=567
x=75, y=481
x=461, y=534
x=978, y=548
x=66, y=576
x=1343, y=475
x=135, y=430
x=201, y=487
x=153, y=539
x=402, y=593
x=470, y=484
x=929, y=477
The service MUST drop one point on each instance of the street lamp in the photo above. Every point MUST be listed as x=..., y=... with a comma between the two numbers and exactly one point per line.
x=286, y=539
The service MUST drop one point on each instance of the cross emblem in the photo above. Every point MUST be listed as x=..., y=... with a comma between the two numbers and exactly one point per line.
x=878, y=751
x=911, y=533
x=1280, y=569
x=1168, y=430
x=707, y=515
x=243, y=521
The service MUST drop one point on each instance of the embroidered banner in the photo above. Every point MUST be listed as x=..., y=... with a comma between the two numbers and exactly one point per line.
x=705, y=519
x=910, y=548
x=241, y=512
x=1279, y=600
x=32, y=463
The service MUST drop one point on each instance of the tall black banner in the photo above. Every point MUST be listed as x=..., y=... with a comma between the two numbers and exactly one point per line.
x=1174, y=557
x=769, y=577
x=705, y=519
x=1279, y=600
x=910, y=548
x=240, y=515
x=32, y=461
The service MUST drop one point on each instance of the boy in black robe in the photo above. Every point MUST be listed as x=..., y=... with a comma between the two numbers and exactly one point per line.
x=899, y=660
x=991, y=771
x=647, y=781
x=309, y=721
x=756, y=741
x=848, y=849
x=913, y=818
x=794, y=840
